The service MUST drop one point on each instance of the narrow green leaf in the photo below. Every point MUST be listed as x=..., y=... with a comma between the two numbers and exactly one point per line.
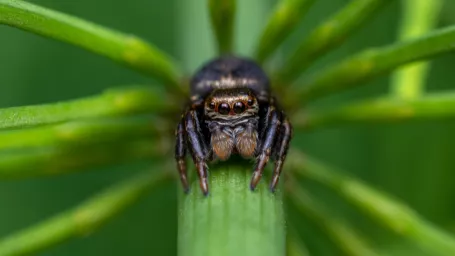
x=222, y=14
x=113, y=102
x=371, y=63
x=419, y=17
x=344, y=236
x=125, y=49
x=55, y=159
x=382, y=110
x=392, y=214
x=83, y=219
x=330, y=34
x=232, y=220
x=280, y=24
x=83, y=132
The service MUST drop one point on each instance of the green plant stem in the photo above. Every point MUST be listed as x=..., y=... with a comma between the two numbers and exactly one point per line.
x=419, y=17
x=231, y=220
x=280, y=24
x=392, y=214
x=222, y=14
x=83, y=219
x=125, y=49
x=344, y=236
x=371, y=63
x=53, y=160
x=113, y=102
x=83, y=132
x=328, y=35
x=382, y=110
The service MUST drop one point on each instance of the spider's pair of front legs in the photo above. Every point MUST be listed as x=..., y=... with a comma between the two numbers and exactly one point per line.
x=273, y=143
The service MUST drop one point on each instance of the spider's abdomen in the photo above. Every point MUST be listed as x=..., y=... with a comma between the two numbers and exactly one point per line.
x=228, y=73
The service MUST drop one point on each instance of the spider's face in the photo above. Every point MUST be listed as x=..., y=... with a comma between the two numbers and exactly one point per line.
x=231, y=104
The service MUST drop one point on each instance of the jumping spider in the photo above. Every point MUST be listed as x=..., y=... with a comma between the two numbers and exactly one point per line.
x=232, y=112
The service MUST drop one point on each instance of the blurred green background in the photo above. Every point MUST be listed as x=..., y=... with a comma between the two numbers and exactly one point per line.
x=414, y=161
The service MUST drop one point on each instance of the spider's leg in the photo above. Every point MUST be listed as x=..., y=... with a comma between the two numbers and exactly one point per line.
x=265, y=150
x=180, y=153
x=197, y=147
x=281, y=149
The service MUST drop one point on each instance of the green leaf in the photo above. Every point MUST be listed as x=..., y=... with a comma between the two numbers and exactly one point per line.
x=330, y=34
x=382, y=110
x=280, y=24
x=125, y=49
x=392, y=214
x=371, y=63
x=419, y=17
x=344, y=236
x=231, y=220
x=222, y=14
x=113, y=102
x=83, y=219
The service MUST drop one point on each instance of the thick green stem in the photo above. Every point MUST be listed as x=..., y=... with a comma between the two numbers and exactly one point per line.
x=222, y=14
x=82, y=220
x=419, y=17
x=328, y=35
x=281, y=23
x=383, y=110
x=231, y=220
x=344, y=236
x=371, y=63
x=392, y=214
x=113, y=102
x=125, y=49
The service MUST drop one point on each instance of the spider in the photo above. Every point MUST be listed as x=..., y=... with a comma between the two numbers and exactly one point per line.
x=231, y=112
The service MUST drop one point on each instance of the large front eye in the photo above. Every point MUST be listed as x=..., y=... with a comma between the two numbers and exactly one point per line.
x=224, y=109
x=239, y=107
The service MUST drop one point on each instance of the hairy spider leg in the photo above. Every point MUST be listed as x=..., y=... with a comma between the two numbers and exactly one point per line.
x=180, y=153
x=197, y=149
x=281, y=149
x=268, y=138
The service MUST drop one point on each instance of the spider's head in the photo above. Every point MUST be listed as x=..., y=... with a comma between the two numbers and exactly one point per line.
x=229, y=104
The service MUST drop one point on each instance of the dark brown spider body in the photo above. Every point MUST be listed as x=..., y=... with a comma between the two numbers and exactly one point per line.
x=232, y=112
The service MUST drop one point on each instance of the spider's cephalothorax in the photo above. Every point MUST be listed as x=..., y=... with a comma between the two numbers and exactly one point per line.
x=232, y=112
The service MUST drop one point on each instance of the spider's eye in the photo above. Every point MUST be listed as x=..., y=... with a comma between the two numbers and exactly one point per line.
x=239, y=107
x=212, y=105
x=250, y=102
x=224, y=109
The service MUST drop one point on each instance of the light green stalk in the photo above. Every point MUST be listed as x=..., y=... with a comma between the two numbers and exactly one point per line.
x=222, y=14
x=333, y=32
x=392, y=214
x=232, y=220
x=371, y=63
x=125, y=49
x=343, y=236
x=382, y=110
x=280, y=24
x=419, y=17
x=83, y=219
x=113, y=102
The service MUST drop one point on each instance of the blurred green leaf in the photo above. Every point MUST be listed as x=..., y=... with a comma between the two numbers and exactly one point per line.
x=371, y=63
x=222, y=13
x=392, y=214
x=280, y=24
x=125, y=49
x=82, y=220
x=382, y=110
x=333, y=32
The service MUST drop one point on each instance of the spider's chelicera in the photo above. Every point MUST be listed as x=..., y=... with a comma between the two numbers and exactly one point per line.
x=232, y=112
